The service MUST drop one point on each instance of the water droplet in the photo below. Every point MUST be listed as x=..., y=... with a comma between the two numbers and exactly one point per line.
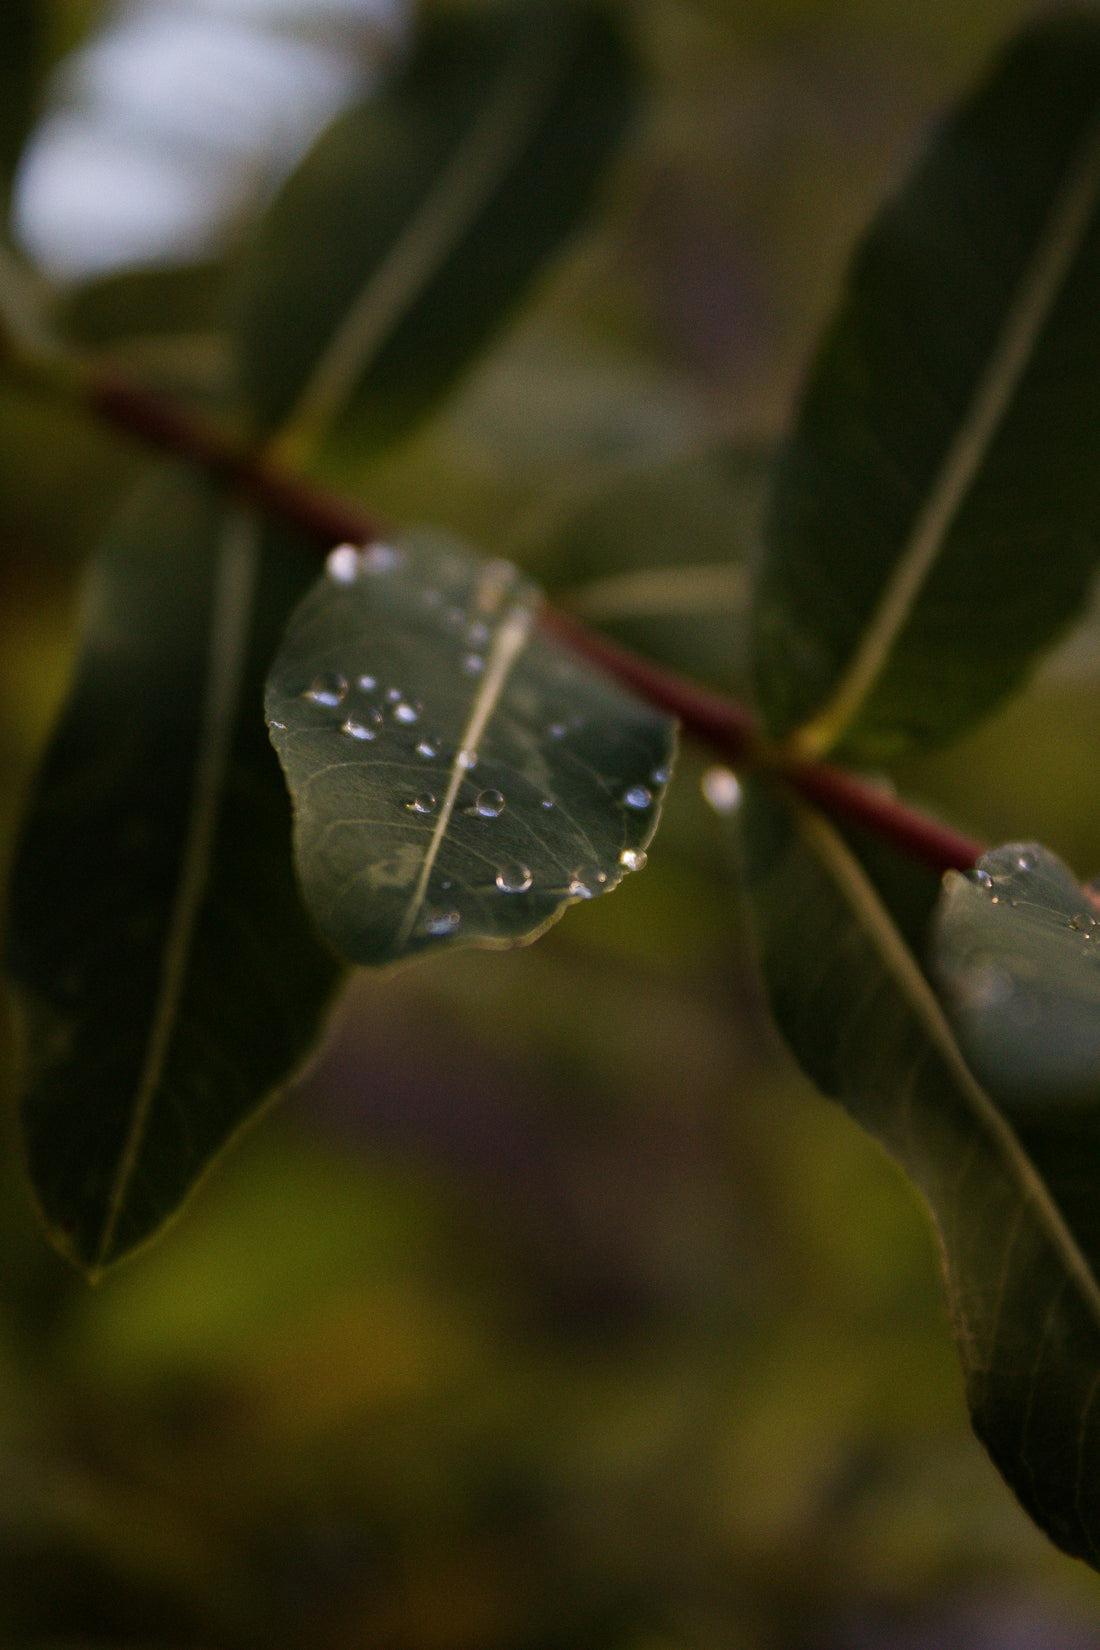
x=557, y=730
x=280, y=725
x=342, y=564
x=982, y=878
x=422, y=804
x=1026, y=861
x=514, y=877
x=330, y=688
x=394, y=696
x=477, y=634
x=473, y=664
x=358, y=730
x=381, y=558
x=631, y=859
x=466, y=759
x=366, y=684
x=637, y=797
x=579, y=889
x=547, y=802
x=404, y=712
x=426, y=748
x=721, y=789
x=489, y=804
x=661, y=776
x=437, y=923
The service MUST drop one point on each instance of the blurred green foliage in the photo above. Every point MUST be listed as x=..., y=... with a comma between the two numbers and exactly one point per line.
x=551, y=1308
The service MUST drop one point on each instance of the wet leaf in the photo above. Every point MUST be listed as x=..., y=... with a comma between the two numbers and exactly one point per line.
x=165, y=973
x=420, y=219
x=458, y=776
x=1016, y=949
x=933, y=522
x=1014, y=1207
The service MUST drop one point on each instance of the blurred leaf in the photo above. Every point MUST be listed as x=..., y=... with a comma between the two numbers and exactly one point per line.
x=418, y=221
x=663, y=559
x=166, y=974
x=1025, y=1303
x=1015, y=951
x=20, y=68
x=458, y=776
x=934, y=517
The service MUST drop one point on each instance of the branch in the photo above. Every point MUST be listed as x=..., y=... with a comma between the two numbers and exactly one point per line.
x=727, y=727
x=731, y=731
x=158, y=424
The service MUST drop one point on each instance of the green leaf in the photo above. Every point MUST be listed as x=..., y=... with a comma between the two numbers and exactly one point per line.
x=20, y=71
x=458, y=776
x=935, y=513
x=419, y=220
x=661, y=558
x=1016, y=950
x=165, y=972
x=1019, y=1243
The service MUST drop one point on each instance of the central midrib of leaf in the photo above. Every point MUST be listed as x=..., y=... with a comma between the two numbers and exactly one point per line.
x=1034, y=299
x=230, y=623
x=506, y=646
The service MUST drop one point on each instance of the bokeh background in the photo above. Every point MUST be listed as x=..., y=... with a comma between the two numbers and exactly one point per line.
x=550, y=1307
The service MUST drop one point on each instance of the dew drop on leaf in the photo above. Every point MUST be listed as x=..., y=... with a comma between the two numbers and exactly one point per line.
x=358, y=730
x=422, y=804
x=722, y=790
x=438, y=923
x=342, y=564
x=489, y=804
x=473, y=664
x=366, y=684
x=330, y=688
x=637, y=797
x=404, y=712
x=632, y=860
x=514, y=877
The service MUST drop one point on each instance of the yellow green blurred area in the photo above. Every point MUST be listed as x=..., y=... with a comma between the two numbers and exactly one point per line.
x=551, y=1310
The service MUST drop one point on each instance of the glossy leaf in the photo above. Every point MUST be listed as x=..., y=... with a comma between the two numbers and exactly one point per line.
x=166, y=975
x=420, y=219
x=935, y=513
x=1016, y=949
x=1020, y=1243
x=458, y=776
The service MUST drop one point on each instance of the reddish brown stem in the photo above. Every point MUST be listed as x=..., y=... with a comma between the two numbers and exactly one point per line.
x=731, y=731
x=727, y=727
x=158, y=424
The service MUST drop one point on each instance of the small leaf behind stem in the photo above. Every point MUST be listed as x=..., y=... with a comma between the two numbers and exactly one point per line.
x=1020, y=1249
x=933, y=520
x=458, y=776
x=165, y=974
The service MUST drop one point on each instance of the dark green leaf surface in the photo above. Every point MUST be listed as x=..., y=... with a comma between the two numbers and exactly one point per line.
x=1014, y=1209
x=1016, y=949
x=458, y=776
x=20, y=69
x=166, y=974
x=417, y=223
x=935, y=514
